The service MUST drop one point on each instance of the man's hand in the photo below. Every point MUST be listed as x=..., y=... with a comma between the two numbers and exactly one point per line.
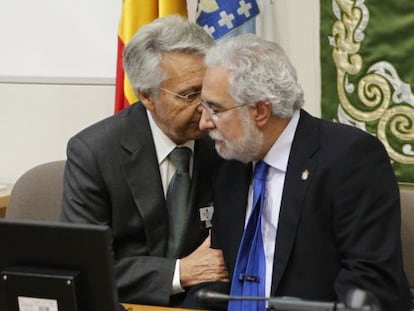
x=205, y=264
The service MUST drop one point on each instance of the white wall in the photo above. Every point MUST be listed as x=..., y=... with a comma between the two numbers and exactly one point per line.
x=57, y=68
x=41, y=107
x=36, y=120
x=58, y=38
x=297, y=31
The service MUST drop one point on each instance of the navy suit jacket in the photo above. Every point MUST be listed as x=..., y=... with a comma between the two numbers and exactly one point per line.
x=112, y=177
x=339, y=228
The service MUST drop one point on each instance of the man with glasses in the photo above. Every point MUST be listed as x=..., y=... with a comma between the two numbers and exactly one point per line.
x=119, y=170
x=328, y=217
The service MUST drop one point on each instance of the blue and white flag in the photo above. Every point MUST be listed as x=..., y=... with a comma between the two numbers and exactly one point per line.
x=219, y=17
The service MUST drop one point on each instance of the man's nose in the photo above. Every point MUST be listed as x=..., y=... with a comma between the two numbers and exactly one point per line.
x=206, y=123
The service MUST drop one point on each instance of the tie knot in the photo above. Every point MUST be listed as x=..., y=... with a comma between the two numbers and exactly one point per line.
x=180, y=157
x=260, y=170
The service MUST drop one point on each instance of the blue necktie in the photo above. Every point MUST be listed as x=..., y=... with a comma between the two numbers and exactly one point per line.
x=249, y=275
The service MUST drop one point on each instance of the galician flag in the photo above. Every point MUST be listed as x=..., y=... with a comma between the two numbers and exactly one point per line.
x=222, y=17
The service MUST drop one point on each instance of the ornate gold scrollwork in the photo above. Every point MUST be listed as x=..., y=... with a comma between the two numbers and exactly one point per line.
x=399, y=120
x=375, y=91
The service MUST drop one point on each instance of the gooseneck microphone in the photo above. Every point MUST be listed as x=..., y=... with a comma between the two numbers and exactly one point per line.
x=204, y=295
x=357, y=300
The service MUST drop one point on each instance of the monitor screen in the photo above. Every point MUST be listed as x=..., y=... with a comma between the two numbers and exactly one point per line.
x=56, y=267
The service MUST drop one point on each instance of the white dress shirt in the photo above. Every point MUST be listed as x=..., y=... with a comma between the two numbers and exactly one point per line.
x=163, y=146
x=277, y=158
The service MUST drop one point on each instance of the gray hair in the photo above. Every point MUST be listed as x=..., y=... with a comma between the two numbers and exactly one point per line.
x=143, y=54
x=259, y=70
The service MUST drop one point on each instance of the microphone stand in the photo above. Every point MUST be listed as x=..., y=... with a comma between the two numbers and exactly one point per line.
x=356, y=300
x=295, y=304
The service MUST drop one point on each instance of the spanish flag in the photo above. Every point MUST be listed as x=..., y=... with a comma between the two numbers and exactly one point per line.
x=136, y=13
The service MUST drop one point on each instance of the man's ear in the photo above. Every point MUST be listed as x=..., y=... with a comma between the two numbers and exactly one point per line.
x=146, y=99
x=263, y=113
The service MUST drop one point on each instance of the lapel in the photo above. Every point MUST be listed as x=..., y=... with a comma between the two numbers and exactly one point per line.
x=196, y=174
x=239, y=213
x=140, y=167
x=205, y=162
x=231, y=201
x=200, y=196
x=305, y=144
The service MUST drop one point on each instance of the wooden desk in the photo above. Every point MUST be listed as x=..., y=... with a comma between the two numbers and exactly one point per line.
x=133, y=307
x=4, y=198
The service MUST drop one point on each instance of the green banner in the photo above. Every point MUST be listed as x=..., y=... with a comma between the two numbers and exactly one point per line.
x=367, y=63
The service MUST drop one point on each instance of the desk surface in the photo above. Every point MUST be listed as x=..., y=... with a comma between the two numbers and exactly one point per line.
x=4, y=197
x=133, y=307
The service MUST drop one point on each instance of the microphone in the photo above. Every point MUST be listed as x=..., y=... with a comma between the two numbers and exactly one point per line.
x=204, y=295
x=357, y=300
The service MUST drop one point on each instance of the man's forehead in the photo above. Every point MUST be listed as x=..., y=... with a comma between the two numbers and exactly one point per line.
x=189, y=78
x=190, y=75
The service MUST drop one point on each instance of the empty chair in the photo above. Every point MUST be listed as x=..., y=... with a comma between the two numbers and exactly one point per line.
x=37, y=194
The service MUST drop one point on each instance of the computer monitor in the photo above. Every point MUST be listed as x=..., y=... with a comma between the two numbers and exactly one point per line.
x=56, y=267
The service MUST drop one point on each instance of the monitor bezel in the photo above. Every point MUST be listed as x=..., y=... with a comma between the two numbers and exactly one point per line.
x=83, y=248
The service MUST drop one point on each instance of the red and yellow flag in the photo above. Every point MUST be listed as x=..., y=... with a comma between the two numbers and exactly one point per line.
x=136, y=13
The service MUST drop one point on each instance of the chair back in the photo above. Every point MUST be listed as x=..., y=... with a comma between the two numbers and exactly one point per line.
x=407, y=231
x=37, y=194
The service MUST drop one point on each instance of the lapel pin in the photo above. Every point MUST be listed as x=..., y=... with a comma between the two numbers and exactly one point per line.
x=305, y=174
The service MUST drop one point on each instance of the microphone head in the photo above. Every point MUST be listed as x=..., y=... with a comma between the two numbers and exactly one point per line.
x=204, y=295
x=357, y=298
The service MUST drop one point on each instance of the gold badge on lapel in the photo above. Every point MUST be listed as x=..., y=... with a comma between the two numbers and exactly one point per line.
x=305, y=174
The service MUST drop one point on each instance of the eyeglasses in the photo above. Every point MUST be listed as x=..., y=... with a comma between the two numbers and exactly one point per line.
x=188, y=98
x=215, y=113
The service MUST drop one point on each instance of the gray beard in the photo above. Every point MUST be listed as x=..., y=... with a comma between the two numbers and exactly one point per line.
x=245, y=149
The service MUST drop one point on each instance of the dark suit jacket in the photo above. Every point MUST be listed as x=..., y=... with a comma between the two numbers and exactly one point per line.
x=338, y=229
x=112, y=177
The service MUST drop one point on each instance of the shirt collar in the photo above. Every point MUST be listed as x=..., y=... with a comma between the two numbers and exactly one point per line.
x=278, y=155
x=163, y=144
